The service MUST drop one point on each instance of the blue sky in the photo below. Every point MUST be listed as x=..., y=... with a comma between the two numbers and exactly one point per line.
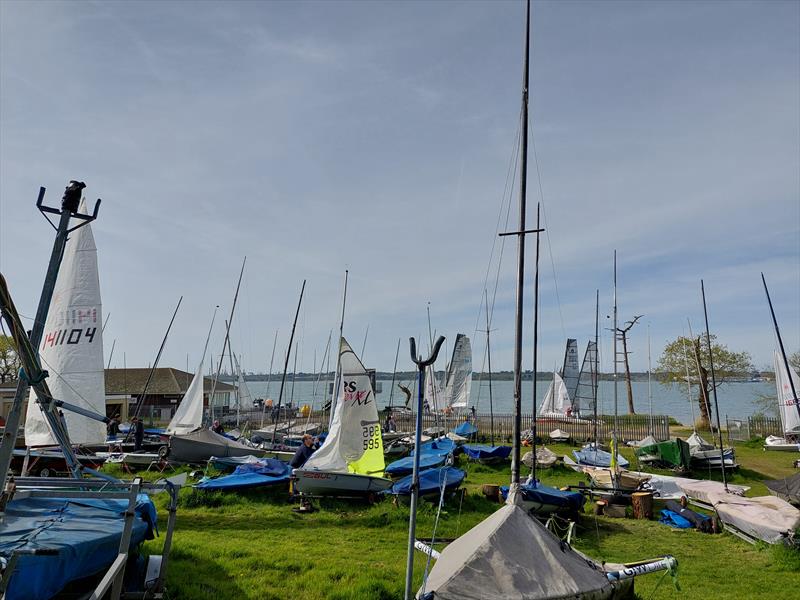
x=375, y=136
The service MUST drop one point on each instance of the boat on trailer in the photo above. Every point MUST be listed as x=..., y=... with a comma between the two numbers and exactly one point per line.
x=200, y=445
x=350, y=462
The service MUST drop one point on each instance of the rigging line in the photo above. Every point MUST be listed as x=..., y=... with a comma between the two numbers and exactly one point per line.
x=547, y=227
x=507, y=193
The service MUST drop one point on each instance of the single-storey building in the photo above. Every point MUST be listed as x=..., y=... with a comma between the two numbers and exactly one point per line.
x=125, y=388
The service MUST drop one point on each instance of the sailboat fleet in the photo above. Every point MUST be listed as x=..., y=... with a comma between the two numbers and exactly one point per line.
x=509, y=554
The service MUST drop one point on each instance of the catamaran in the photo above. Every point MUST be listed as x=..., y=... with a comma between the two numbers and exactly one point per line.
x=350, y=462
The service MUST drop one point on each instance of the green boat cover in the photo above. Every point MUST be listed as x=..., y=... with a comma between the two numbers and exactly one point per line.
x=672, y=452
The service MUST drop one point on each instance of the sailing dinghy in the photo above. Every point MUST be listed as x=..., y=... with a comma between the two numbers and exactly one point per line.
x=350, y=462
x=787, y=407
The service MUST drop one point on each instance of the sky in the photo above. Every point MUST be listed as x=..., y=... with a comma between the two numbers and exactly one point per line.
x=378, y=137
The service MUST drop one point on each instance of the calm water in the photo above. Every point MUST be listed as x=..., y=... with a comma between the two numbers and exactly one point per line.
x=735, y=399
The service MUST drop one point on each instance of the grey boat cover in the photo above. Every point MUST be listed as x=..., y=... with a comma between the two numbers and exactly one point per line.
x=202, y=444
x=511, y=555
x=766, y=518
x=787, y=488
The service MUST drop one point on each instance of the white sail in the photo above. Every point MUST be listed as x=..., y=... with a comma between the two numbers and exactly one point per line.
x=584, y=397
x=72, y=346
x=571, y=371
x=556, y=400
x=189, y=414
x=245, y=397
x=355, y=430
x=787, y=402
x=459, y=374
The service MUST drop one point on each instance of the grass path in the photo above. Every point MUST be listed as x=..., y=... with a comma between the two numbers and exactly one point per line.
x=254, y=546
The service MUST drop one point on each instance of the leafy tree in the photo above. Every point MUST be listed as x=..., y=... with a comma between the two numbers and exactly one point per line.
x=694, y=352
x=9, y=362
x=794, y=360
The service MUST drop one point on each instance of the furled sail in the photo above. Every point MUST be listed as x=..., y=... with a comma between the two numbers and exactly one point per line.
x=587, y=381
x=434, y=395
x=245, y=396
x=459, y=374
x=787, y=402
x=354, y=443
x=570, y=372
x=72, y=346
x=556, y=400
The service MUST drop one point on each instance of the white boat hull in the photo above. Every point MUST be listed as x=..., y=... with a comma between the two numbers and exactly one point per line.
x=325, y=483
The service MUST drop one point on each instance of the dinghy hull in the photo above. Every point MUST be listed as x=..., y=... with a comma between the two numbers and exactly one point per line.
x=326, y=483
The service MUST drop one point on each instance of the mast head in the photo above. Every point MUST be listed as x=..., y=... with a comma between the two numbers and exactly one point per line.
x=72, y=196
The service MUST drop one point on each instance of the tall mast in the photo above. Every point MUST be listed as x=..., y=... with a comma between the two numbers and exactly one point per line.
x=394, y=373
x=783, y=350
x=489, y=360
x=688, y=382
x=535, y=343
x=596, y=374
x=269, y=379
x=335, y=390
x=616, y=382
x=225, y=343
x=649, y=378
x=523, y=190
x=714, y=387
x=286, y=360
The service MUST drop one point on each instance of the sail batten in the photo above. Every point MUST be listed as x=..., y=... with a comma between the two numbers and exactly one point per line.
x=72, y=346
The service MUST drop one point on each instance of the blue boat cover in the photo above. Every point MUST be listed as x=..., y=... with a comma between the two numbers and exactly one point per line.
x=466, y=429
x=267, y=471
x=480, y=452
x=85, y=533
x=673, y=519
x=545, y=494
x=430, y=481
x=442, y=446
x=404, y=466
x=597, y=458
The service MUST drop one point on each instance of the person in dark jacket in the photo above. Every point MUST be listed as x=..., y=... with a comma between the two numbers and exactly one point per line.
x=303, y=453
x=218, y=428
x=138, y=434
x=113, y=426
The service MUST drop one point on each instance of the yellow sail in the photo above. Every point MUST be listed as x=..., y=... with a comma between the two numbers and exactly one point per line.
x=371, y=462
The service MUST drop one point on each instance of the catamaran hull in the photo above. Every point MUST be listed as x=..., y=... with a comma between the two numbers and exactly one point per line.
x=780, y=444
x=324, y=483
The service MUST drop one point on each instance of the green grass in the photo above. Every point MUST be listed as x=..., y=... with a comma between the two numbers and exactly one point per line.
x=253, y=545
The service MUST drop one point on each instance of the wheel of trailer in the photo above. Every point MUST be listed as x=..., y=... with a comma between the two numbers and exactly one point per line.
x=163, y=452
x=44, y=472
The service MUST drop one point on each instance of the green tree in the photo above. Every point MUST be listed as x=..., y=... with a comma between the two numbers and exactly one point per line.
x=9, y=362
x=672, y=366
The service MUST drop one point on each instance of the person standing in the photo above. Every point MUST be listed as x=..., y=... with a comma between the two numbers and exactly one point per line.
x=138, y=434
x=303, y=453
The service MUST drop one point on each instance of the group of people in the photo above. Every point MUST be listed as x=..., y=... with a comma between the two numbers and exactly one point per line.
x=136, y=430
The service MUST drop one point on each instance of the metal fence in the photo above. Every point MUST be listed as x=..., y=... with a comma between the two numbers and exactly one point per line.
x=741, y=430
x=630, y=427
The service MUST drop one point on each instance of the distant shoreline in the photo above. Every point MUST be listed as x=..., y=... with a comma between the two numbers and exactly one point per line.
x=402, y=376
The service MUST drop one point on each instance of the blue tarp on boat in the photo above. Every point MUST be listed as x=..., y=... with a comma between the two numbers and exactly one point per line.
x=430, y=481
x=267, y=471
x=594, y=457
x=480, y=452
x=546, y=495
x=442, y=446
x=466, y=429
x=404, y=466
x=85, y=533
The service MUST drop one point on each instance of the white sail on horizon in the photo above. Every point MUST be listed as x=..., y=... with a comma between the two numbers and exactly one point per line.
x=787, y=403
x=556, y=400
x=585, y=394
x=245, y=396
x=570, y=372
x=71, y=349
x=459, y=374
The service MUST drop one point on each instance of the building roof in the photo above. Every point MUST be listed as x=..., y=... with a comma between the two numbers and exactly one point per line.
x=166, y=382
